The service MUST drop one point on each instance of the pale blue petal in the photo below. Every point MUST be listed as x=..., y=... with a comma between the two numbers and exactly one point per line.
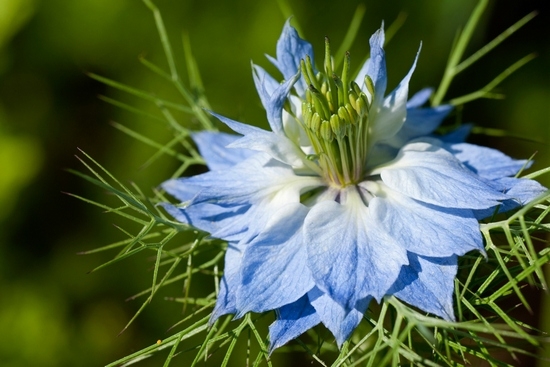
x=290, y=50
x=486, y=213
x=252, y=181
x=349, y=256
x=292, y=321
x=375, y=66
x=391, y=116
x=273, y=100
x=220, y=222
x=380, y=154
x=181, y=188
x=429, y=173
x=360, y=78
x=265, y=83
x=235, y=204
x=519, y=190
x=419, y=98
x=424, y=121
x=213, y=148
x=274, y=267
x=458, y=135
x=230, y=282
x=247, y=225
x=426, y=229
x=278, y=147
x=237, y=126
x=419, y=122
x=293, y=126
x=486, y=162
x=339, y=321
x=428, y=284
x=225, y=300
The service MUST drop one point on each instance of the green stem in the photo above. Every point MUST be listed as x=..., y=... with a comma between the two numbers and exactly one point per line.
x=458, y=51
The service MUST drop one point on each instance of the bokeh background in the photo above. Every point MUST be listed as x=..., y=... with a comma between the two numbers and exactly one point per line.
x=52, y=313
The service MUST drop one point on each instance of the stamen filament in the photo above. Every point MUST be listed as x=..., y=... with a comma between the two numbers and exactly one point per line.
x=336, y=119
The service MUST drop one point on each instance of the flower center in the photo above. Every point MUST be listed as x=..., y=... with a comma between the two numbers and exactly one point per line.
x=335, y=116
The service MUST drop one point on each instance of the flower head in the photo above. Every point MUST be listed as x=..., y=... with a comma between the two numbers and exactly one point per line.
x=347, y=199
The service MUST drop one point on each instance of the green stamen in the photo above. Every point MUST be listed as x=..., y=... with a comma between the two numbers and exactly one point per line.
x=335, y=117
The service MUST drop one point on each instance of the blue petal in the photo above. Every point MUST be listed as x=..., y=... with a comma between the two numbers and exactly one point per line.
x=360, y=78
x=349, y=256
x=274, y=266
x=292, y=320
x=339, y=321
x=273, y=99
x=220, y=222
x=245, y=225
x=519, y=190
x=248, y=194
x=265, y=83
x=419, y=122
x=251, y=181
x=426, y=229
x=458, y=135
x=237, y=126
x=235, y=204
x=277, y=146
x=429, y=173
x=213, y=148
x=486, y=162
x=375, y=67
x=290, y=50
x=424, y=121
x=380, y=154
x=428, y=284
x=181, y=189
x=225, y=303
x=390, y=117
x=419, y=98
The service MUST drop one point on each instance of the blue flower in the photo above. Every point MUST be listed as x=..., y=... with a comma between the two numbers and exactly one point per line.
x=348, y=199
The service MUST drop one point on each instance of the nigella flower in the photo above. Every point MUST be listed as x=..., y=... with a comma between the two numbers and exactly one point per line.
x=347, y=200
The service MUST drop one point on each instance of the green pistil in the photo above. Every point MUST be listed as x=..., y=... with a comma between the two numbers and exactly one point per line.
x=335, y=116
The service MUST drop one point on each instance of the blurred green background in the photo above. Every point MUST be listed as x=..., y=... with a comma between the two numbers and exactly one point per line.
x=51, y=312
